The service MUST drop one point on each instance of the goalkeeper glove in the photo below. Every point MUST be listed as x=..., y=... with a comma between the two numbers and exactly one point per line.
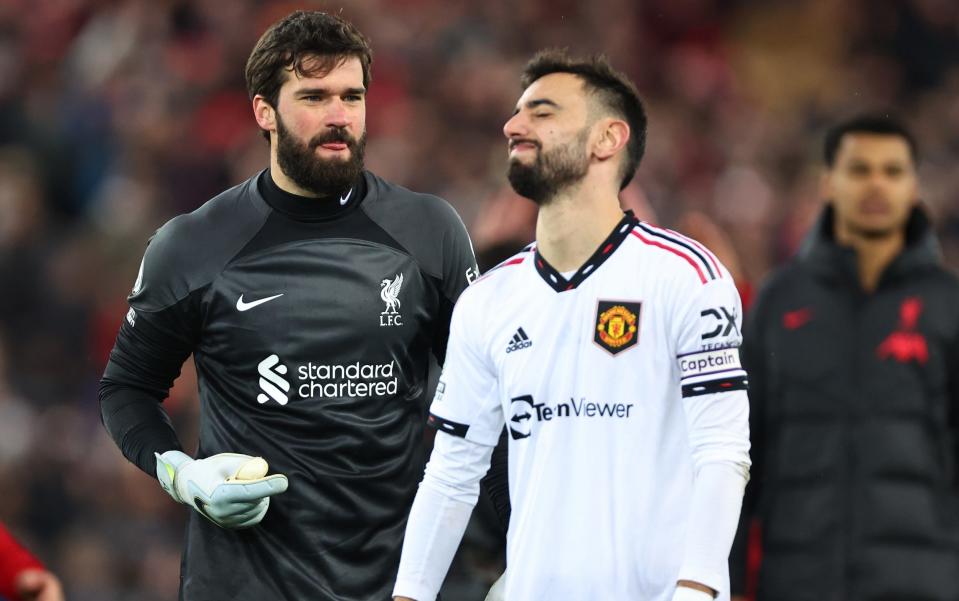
x=229, y=489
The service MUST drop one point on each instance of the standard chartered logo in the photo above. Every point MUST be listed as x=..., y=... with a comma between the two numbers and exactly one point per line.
x=272, y=381
x=319, y=380
x=355, y=380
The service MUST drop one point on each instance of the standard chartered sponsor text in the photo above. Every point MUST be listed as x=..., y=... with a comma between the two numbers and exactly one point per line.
x=351, y=380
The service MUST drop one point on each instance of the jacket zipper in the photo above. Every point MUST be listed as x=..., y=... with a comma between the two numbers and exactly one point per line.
x=848, y=588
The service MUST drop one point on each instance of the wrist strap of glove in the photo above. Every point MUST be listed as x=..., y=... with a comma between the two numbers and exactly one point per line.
x=168, y=464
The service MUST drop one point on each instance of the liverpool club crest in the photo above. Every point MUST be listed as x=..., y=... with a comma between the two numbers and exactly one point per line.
x=390, y=293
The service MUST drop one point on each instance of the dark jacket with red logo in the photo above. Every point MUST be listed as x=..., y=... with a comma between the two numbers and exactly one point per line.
x=853, y=399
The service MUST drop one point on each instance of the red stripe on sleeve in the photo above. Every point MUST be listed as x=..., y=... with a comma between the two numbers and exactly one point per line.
x=687, y=258
x=515, y=261
x=706, y=251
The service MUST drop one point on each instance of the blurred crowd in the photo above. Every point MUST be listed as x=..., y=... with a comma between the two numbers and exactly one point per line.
x=116, y=115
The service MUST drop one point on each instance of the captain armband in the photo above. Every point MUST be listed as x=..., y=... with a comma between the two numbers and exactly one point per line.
x=711, y=371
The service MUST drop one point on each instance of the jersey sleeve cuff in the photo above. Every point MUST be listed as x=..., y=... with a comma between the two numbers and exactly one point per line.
x=716, y=580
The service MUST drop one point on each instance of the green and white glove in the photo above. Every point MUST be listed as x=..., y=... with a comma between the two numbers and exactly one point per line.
x=229, y=489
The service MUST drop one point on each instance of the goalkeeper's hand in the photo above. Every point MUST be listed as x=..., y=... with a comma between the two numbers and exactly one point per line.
x=229, y=489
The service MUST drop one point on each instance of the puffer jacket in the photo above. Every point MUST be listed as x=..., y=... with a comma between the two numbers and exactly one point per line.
x=854, y=400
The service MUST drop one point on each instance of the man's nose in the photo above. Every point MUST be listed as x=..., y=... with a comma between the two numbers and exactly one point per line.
x=516, y=127
x=338, y=116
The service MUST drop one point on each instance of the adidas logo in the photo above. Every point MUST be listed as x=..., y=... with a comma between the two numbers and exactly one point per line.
x=520, y=341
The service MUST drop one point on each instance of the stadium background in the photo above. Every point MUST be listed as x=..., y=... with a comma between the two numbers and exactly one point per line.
x=117, y=114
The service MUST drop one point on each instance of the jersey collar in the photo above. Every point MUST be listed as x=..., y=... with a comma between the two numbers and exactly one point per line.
x=605, y=250
x=302, y=208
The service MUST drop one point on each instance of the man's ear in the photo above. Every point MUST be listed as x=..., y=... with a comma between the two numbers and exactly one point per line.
x=264, y=113
x=613, y=137
x=825, y=184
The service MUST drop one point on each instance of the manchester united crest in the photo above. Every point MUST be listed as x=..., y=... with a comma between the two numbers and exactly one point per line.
x=617, y=325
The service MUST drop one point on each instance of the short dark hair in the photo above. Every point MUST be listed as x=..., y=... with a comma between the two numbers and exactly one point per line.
x=311, y=43
x=613, y=89
x=882, y=125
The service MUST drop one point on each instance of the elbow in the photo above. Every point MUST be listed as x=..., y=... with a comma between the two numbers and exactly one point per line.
x=458, y=487
x=456, y=468
x=732, y=454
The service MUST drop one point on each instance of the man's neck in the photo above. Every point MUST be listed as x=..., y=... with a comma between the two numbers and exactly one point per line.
x=572, y=225
x=873, y=254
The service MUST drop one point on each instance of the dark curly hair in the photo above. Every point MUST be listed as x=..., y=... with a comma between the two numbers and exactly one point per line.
x=309, y=43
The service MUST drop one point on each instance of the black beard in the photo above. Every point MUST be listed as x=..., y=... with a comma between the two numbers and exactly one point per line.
x=551, y=172
x=319, y=176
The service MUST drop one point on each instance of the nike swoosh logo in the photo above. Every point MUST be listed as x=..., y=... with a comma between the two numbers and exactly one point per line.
x=346, y=199
x=793, y=320
x=241, y=306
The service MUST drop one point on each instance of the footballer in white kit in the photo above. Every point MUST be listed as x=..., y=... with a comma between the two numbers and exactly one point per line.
x=622, y=392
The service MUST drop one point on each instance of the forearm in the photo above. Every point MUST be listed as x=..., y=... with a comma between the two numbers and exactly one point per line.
x=713, y=518
x=739, y=554
x=439, y=516
x=144, y=363
x=718, y=435
x=435, y=529
x=137, y=423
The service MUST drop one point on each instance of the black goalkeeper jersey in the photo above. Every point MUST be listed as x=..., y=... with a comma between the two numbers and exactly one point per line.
x=311, y=325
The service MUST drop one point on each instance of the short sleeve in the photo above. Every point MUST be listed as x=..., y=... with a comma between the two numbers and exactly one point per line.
x=709, y=340
x=466, y=403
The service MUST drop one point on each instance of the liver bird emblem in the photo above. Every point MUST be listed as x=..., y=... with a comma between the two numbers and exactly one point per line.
x=390, y=293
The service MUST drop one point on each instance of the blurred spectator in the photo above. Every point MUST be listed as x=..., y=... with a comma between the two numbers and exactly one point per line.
x=22, y=576
x=851, y=353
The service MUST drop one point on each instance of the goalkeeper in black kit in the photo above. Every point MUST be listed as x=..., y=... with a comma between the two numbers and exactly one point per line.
x=311, y=297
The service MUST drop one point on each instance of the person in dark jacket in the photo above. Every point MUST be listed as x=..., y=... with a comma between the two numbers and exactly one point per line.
x=851, y=354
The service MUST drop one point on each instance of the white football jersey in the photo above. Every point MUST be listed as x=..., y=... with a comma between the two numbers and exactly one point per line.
x=615, y=385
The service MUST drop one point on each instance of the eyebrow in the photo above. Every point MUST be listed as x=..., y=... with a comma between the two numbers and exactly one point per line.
x=326, y=91
x=538, y=102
